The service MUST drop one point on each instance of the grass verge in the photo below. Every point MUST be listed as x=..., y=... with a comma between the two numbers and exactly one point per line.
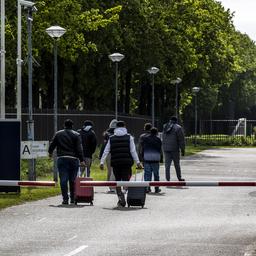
x=26, y=195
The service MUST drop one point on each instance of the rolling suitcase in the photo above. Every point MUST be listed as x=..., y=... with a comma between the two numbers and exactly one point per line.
x=83, y=194
x=136, y=196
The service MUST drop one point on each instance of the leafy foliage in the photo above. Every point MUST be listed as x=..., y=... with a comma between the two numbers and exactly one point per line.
x=194, y=40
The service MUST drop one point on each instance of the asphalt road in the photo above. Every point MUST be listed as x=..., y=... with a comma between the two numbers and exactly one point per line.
x=208, y=221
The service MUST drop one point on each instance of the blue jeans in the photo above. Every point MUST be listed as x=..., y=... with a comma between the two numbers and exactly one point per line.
x=149, y=169
x=68, y=168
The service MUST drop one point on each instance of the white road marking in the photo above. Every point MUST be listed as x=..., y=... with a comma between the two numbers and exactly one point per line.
x=76, y=251
x=72, y=238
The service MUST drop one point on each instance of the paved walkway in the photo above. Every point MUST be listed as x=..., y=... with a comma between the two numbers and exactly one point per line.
x=208, y=221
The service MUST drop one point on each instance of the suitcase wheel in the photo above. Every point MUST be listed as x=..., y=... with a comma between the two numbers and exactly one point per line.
x=91, y=203
x=142, y=206
x=128, y=206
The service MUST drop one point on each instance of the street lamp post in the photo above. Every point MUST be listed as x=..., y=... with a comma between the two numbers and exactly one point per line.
x=18, y=61
x=55, y=32
x=30, y=121
x=195, y=90
x=26, y=4
x=116, y=57
x=177, y=81
x=152, y=71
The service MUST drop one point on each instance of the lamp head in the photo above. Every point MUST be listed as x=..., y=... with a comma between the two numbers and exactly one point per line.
x=176, y=81
x=55, y=31
x=153, y=70
x=116, y=57
x=195, y=89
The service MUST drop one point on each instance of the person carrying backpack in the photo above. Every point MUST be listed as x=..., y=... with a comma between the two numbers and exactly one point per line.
x=89, y=143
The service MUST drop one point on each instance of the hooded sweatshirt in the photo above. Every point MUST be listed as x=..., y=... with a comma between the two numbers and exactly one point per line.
x=120, y=136
x=173, y=137
x=89, y=140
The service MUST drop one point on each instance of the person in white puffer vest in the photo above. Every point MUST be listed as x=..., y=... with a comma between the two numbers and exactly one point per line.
x=123, y=155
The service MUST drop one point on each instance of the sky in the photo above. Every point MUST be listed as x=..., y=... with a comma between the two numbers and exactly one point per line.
x=245, y=15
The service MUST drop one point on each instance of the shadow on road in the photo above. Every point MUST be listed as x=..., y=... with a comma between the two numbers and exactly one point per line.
x=253, y=194
x=125, y=209
x=70, y=206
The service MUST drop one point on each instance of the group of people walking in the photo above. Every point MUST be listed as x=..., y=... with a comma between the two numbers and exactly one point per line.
x=118, y=151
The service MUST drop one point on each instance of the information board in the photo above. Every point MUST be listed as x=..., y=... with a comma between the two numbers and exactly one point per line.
x=34, y=149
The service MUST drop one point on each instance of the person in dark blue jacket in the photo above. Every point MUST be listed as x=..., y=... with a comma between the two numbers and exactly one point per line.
x=152, y=155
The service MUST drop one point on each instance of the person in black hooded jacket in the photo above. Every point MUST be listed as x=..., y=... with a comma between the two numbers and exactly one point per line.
x=89, y=143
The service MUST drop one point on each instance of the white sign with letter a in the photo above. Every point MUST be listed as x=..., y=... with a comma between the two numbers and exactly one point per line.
x=34, y=149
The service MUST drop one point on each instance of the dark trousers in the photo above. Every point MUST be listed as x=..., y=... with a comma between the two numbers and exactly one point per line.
x=122, y=173
x=169, y=157
x=68, y=168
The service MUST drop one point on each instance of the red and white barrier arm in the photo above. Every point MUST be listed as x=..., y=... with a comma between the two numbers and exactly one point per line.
x=13, y=183
x=168, y=183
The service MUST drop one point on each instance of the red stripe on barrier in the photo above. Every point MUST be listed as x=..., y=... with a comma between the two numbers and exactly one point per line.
x=37, y=183
x=98, y=184
x=237, y=183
